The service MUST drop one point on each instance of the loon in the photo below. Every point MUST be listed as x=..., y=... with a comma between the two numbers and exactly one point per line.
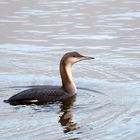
x=46, y=94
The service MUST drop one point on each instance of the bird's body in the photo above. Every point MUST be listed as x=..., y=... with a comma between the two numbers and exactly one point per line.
x=45, y=94
x=40, y=94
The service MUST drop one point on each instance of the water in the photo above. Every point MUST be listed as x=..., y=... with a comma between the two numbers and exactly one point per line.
x=33, y=37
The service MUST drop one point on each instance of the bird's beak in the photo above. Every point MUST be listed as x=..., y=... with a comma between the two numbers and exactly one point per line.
x=87, y=57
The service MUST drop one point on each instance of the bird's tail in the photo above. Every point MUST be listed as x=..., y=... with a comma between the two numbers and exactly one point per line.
x=6, y=101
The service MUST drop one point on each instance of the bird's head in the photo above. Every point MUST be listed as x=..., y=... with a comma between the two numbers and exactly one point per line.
x=72, y=57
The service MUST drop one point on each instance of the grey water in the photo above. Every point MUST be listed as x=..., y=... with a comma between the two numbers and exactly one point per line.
x=35, y=34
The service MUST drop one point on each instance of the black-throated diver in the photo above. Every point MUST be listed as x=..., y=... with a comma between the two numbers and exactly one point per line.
x=45, y=94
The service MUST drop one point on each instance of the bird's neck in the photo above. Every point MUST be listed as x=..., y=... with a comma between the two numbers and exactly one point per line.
x=66, y=75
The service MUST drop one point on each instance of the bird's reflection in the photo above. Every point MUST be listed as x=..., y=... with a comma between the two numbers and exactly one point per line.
x=66, y=117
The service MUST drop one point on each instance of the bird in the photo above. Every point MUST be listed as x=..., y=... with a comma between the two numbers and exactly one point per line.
x=48, y=94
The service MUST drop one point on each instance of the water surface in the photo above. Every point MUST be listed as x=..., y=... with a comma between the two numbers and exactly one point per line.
x=34, y=36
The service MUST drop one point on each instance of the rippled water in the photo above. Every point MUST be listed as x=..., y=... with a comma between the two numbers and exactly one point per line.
x=33, y=37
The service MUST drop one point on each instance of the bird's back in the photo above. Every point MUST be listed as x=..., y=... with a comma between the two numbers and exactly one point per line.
x=40, y=94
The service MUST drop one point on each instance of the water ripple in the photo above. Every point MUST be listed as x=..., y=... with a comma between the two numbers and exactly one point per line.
x=35, y=35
